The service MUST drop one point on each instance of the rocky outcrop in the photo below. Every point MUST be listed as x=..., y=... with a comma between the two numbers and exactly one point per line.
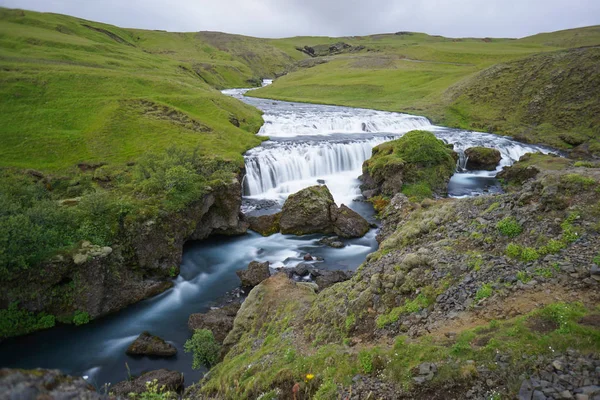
x=150, y=345
x=219, y=321
x=266, y=225
x=140, y=264
x=172, y=381
x=418, y=165
x=321, y=50
x=313, y=210
x=255, y=273
x=45, y=384
x=321, y=277
x=482, y=158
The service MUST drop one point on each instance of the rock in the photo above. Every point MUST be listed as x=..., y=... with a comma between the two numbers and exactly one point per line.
x=418, y=159
x=219, y=321
x=150, y=345
x=312, y=286
x=44, y=384
x=171, y=380
x=254, y=274
x=348, y=223
x=329, y=278
x=313, y=210
x=594, y=270
x=308, y=257
x=557, y=365
x=332, y=241
x=526, y=391
x=308, y=211
x=482, y=158
x=266, y=225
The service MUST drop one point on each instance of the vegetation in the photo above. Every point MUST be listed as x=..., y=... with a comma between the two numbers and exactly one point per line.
x=467, y=83
x=204, y=347
x=510, y=227
x=16, y=321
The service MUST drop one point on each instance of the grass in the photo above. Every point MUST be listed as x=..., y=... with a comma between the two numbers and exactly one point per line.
x=466, y=83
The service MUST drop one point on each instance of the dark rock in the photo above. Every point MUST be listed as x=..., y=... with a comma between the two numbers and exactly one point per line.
x=332, y=241
x=254, y=274
x=348, y=223
x=44, y=384
x=526, y=391
x=171, y=380
x=266, y=225
x=150, y=345
x=482, y=158
x=308, y=257
x=219, y=321
x=326, y=278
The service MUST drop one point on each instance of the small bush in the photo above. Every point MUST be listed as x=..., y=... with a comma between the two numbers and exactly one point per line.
x=585, y=164
x=204, y=347
x=513, y=250
x=15, y=321
x=529, y=254
x=366, y=361
x=484, y=292
x=523, y=276
x=510, y=227
x=552, y=247
x=81, y=318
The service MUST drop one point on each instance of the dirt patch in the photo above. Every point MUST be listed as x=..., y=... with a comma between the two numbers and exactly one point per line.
x=592, y=321
x=541, y=325
x=111, y=35
x=481, y=341
x=165, y=113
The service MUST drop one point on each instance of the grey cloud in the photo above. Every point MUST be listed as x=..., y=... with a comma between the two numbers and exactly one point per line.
x=281, y=18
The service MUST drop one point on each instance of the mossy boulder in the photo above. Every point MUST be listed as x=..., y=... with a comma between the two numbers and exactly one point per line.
x=313, y=210
x=150, y=345
x=482, y=158
x=254, y=274
x=167, y=381
x=219, y=321
x=418, y=165
x=266, y=225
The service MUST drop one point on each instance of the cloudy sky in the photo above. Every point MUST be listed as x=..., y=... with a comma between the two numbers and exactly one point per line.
x=280, y=18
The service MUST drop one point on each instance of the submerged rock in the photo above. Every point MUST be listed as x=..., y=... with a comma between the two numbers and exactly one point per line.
x=150, y=345
x=482, y=158
x=313, y=210
x=219, y=321
x=171, y=380
x=254, y=274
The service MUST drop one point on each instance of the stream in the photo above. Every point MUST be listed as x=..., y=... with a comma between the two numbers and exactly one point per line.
x=309, y=144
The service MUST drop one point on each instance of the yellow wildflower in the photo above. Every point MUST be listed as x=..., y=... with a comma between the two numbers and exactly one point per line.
x=309, y=377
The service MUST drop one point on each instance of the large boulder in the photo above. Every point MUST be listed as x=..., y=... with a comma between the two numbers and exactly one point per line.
x=254, y=274
x=266, y=225
x=313, y=210
x=171, y=380
x=482, y=158
x=348, y=223
x=45, y=384
x=308, y=211
x=219, y=321
x=418, y=165
x=150, y=345
x=322, y=277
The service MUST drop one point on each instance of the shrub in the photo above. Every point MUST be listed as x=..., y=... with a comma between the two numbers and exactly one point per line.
x=510, y=227
x=81, y=318
x=529, y=254
x=15, y=321
x=523, y=276
x=484, y=292
x=205, y=349
x=552, y=247
x=513, y=250
x=366, y=361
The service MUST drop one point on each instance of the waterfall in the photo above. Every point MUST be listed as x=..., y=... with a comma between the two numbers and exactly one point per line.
x=276, y=163
x=304, y=120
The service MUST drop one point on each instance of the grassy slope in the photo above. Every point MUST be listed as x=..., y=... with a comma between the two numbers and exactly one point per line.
x=420, y=74
x=71, y=88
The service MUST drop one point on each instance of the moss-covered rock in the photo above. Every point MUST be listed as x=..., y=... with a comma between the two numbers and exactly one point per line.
x=266, y=225
x=313, y=210
x=482, y=158
x=418, y=165
x=150, y=345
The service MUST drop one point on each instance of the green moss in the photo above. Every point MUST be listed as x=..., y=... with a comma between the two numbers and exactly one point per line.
x=426, y=163
x=81, y=317
x=484, y=292
x=510, y=227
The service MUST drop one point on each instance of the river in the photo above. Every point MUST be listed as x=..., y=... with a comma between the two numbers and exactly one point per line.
x=308, y=144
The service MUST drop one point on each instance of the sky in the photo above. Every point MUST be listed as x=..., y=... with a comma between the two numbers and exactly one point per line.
x=283, y=18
